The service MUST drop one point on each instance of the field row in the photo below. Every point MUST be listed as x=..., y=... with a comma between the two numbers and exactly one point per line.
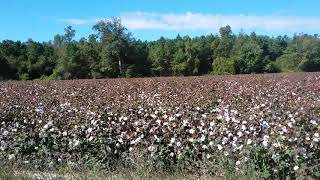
x=272, y=121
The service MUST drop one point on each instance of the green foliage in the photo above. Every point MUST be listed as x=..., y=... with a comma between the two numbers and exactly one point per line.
x=112, y=52
x=249, y=59
x=161, y=55
x=302, y=54
x=272, y=68
x=223, y=66
x=288, y=62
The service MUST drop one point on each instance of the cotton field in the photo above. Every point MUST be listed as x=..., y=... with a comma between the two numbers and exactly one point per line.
x=271, y=120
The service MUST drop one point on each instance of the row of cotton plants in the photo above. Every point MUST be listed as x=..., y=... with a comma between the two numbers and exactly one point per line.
x=272, y=121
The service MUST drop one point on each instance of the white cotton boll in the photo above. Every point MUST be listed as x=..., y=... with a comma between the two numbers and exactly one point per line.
x=249, y=141
x=265, y=144
x=235, y=138
x=172, y=140
x=203, y=138
x=313, y=122
x=243, y=127
x=191, y=131
x=284, y=129
x=76, y=143
x=208, y=156
x=210, y=143
x=178, y=115
x=238, y=163
x=227, y=118
x=276, y=145
x=178, y=144
x=151, y=148
x=11, y=156
x=295, y=168
x=316, y=137
x=224, y=140
x=219, y=147
x=2, y=148
x=5, y=133
x=89, y=130
x=211, y=124
x=265, y=125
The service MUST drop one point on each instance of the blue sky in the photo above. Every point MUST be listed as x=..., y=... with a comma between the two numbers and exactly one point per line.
x=150, y=19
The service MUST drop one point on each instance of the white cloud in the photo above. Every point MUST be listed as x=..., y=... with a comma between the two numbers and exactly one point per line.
x=208, y=22
x=212, y=22
x=74, y=21
x=78, y=21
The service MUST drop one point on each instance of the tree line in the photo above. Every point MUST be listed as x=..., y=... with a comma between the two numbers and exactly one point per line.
x=113, y=52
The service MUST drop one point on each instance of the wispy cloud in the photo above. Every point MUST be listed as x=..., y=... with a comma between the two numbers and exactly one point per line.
x=77, y=21
x=198, y=21
x=209, y=22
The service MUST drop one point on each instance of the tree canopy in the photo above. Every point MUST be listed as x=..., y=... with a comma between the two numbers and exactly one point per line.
x=113, y=52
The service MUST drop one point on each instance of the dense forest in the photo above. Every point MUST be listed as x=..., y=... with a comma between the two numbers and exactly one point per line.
x=113, y=52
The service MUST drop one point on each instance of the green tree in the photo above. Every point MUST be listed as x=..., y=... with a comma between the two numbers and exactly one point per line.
x=224, y=65
x=161, y=56
x=69, y=34
x=115, y=41
x=222, y=50
x=302, y=54
x=249, y=59
x=69, y=63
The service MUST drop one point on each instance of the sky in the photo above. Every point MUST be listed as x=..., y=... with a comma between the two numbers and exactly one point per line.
x=151, y=19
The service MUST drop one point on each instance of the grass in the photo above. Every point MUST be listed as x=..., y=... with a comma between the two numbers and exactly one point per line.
x=219, y=168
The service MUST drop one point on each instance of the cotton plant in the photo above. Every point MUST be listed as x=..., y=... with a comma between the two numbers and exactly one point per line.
x=163, y=118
